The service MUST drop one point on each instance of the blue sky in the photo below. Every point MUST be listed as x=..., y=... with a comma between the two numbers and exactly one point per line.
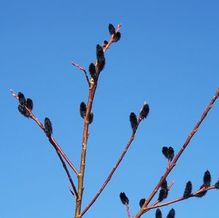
x=167, y=56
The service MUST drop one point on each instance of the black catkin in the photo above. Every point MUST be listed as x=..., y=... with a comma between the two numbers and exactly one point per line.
x=171, y=213
x=116, y=37
x=29, y=104
x=201, y=194
x=47, y=126
x=217, y=185
x=162, y=194
x=124, y=199
x=100, y=58
x=144, y=111
x=83, y=109
x=165, y=151
x=141, y=202
x=207, y=179
x=23, y=110
x=164, y=184
x=91, y=118
x=21, y=98
x=158, y=213
x=171, y=153
x=92, y=70
x=133, y=121
x=111, y=29
x=188, y=190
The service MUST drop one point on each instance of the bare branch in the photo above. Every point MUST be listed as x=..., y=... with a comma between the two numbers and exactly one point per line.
x=83, y=70
x=108, y=178
x=51, y=139
x=173, y=163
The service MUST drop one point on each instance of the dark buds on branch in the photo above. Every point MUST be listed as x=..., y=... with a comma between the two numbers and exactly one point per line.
x=92, y=70
x=21, y=98
x=116, y=37
x=83, y=109
x=141, y=202
x=163, y=191
x=29, y=104
x=171, y=213
x=91, y=118
x=188, y=190
x=133, y=121
x=48, y=127
x=24, y=105
x=111, y=29
x=217, y=185
x=100, y=58
x=206, y=183
x=158, y=213
x=144, y=111
x=207, y=179
x=124, y=199
x=168, y=152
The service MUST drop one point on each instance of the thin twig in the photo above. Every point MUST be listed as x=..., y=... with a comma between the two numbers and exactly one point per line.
x=108, y=178
x=68, y=174
x=51, y=139
x=83, y=70
x=128, y=210
x=194, y=194
x=92, y=91
x=173, y=163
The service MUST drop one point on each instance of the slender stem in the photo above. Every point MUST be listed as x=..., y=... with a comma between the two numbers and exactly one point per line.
x=68, y=174
x=91, y=95
x=83, y=70
x=156, y=204
x=173, y=163
x=108, y=178
x=128, y=211
x=51, y=139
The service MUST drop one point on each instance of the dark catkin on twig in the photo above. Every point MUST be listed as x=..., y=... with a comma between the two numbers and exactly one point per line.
x=133, y=121
x=188, y=190
x=217, y=185
x=92, y=70
x=111, y=29
x=91, y=118
x=29, y=104
x=158, y=213
x=171, y=213
x=168, y=152
x=162, y=194
x=48, y=127
x=100, y=58
x=207, y=179
x=124, y=199
x=116, y=37
x=141, y=202
x=21, y=98
x=83, y=109
x=144, y=111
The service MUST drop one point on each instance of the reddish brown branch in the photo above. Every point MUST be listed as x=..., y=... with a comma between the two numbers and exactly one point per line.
x=58, y=149
x=128, y=211
x=108, y=178
x=173, y=163
x=83, y=70
x=92, y=91
x=156, y=204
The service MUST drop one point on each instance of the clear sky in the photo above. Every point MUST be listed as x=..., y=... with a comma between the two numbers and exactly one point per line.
x=168, y=56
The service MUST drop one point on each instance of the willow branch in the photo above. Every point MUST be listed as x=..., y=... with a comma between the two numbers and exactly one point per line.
x=173, y=163
x=108, y=178
x=83, y=70
x=92, y=90
x=194, y=194
x=51, y=139
x=128, y=211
